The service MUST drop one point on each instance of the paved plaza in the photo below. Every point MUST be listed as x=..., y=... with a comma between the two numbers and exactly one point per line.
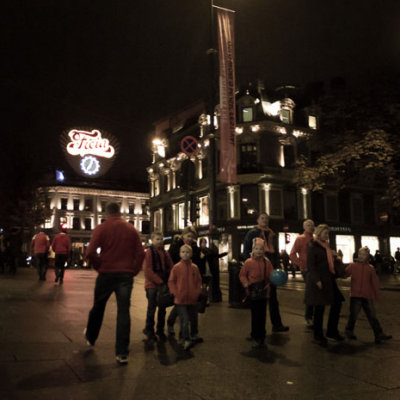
x=43, y=354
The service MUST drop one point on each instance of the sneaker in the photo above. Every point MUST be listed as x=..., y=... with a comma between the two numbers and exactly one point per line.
x=122, y=359
x=350, y=335
x=88, y=342
x=382, y=337
x=149, y=334
x=197, y=339
x=336, y=338
x=187, y=344
x=309, y=323
x=255, y=344
x=161, y=336
x=280, y=329
x=56, y=280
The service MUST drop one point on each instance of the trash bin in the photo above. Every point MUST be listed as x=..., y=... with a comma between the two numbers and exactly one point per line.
x=236, y=290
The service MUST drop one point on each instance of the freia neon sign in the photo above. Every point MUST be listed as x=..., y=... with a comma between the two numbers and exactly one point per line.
x=85, y=143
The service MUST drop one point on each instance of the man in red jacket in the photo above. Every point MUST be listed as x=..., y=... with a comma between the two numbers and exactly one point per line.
x=62, y=248
x=120, y=259
x=39, y=249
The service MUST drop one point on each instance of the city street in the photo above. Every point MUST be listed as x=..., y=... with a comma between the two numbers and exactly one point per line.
x=43, y=354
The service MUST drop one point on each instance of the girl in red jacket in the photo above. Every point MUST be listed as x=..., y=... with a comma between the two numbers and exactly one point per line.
x=364, y=290
x=256, y=269
x=156, y=267
x=185, y=284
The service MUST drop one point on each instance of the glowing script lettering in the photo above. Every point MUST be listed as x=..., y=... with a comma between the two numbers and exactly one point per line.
x=85, y=143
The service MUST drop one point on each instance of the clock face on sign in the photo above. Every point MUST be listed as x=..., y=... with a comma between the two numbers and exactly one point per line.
x=90, y=165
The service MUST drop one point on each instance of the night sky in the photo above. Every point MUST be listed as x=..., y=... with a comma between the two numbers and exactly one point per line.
x=119, y=65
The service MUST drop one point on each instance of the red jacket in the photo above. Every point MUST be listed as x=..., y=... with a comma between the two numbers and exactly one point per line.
x=40, y=243
x=185, y=283
x=255, y=270
x=61, y=243
x=153, y=279
x=298, y=254
x=120, y=245
x=364, y=282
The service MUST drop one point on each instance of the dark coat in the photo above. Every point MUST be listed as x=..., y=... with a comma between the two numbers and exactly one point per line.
x=248, y=245
x=318, y=270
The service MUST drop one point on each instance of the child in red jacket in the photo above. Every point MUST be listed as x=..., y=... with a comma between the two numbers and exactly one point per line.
x=257, y=269
x=364, y=290
x=185, y=284
x=156, y=267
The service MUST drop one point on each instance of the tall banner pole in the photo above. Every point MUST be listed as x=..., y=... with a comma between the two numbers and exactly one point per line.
x=226, y=49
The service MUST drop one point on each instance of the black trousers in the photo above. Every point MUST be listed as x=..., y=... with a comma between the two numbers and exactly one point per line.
x=258, y=319
x=59, y=265
x=274, y=313
x=333, y=320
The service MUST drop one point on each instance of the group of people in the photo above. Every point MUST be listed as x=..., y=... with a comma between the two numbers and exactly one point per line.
x=187, y=269
x=61, y=246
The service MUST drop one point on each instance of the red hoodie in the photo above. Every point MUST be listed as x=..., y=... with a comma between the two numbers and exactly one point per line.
x=61, y=244
x=40, y=243
x=364, y=282
x=152, y=279
x=185, y=282
x=121, y=248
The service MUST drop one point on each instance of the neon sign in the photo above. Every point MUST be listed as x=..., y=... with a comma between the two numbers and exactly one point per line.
x=84, y=143
x=90, y=165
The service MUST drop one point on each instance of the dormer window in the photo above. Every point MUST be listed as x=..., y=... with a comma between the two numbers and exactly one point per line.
x=247, y=114
x=312, y=122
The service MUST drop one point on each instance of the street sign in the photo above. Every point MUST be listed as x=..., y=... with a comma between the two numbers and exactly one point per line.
x=189, y=145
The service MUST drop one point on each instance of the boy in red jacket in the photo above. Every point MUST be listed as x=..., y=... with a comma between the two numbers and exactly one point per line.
x=256, y=269
x=185, y=284
x=364, y=290
x=156, y=267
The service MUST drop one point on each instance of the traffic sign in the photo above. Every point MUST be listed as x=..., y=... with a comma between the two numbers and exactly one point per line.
x=189, y=145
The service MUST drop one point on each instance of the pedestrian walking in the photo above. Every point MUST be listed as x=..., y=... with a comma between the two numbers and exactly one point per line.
x=298, y=256
x=185, y=284
x=254, y=275
x=120, y=259
x=264, y=232
x=62, y=248
x=156, y=267
x=40, y=245
x=321, y=286
x=364, y=290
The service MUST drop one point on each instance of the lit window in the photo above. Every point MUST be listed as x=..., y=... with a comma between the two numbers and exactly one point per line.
x=312, y=121
x=203, y=211
x=247, y=114
x=286, y=116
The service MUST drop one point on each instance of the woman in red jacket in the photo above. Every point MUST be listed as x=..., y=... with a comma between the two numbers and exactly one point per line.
x=364, y=290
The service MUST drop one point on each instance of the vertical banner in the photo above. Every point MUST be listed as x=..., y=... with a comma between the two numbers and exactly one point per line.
x=226, y=47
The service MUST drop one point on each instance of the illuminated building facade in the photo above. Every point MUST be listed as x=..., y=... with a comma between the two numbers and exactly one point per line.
x=271, y=133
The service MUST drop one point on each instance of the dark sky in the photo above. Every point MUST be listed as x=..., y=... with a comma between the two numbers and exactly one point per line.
x=121, y=65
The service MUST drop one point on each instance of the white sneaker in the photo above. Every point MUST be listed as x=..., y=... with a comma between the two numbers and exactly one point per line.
x=187, y=345
x=88, y=342
x=122, y=358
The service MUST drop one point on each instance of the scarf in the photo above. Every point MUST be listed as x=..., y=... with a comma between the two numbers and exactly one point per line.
x=266, y=235
x=329, y=256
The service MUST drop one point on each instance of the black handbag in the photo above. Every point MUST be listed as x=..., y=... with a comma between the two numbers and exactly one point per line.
x=258, y=290
x=164, y=297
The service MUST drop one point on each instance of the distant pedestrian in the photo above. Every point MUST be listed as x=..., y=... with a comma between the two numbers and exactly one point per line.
x=285, y=262
x=40, y=245
x=156, y=267
x=264, y=232
x=185, y=284
x=298, y=255
x=256, y=270
x=397, y=259
x=120, y=259
x=364, y=290
x=321, y=286
x=62, y=248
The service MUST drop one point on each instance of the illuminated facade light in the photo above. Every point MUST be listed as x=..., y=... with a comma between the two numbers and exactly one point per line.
x=239, y=130
x=271, y=109
x=255, y=128
x=256, y=101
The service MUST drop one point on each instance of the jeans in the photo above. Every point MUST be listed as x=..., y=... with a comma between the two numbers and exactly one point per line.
x=188, y=314
x=151, y=294
x=274, y=313
x=309, y=311
x=258, y=319
x=59, y=265
x=41, y=264
x=356, y=303
x=106, y=284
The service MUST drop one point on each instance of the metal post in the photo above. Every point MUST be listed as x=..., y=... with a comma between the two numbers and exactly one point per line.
x=212, y=161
